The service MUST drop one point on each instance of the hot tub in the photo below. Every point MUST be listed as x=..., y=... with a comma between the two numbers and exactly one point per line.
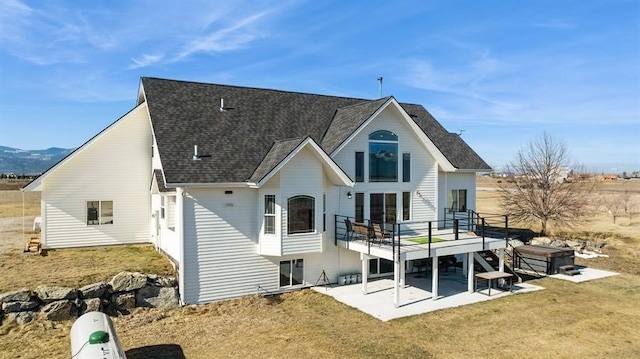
x=542, y=259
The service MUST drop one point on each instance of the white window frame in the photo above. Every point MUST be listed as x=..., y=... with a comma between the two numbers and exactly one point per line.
x=101, y=217
x=269, y=215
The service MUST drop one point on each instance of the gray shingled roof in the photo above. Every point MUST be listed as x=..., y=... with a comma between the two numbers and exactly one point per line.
x=276, y=154
x=243, y=143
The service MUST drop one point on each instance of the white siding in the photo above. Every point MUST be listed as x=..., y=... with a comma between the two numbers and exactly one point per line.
x=220, y=246
x=423, y=169
x=115, y=166
x=303, y=175
x=456, y=180
x=270, y=244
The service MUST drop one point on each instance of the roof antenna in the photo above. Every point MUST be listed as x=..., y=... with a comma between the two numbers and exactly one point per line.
x=460, y=131
x=380, y=86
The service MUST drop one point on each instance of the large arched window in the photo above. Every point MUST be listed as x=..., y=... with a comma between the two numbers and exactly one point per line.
x=301, y=214
x=383, y=156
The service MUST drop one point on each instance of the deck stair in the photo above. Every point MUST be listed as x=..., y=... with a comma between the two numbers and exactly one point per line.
x=569, y=270
x=488, y=261
x=33, y=246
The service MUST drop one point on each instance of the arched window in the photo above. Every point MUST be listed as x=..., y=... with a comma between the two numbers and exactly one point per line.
x=383, y=156
x=301, y=214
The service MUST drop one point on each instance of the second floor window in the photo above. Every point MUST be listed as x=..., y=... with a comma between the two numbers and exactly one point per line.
x=383, y=156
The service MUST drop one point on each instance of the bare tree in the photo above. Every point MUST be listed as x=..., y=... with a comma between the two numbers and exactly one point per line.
x=619, y=203
x=543, y=191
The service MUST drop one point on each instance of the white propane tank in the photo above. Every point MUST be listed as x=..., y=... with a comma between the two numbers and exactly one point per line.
x=94, y=337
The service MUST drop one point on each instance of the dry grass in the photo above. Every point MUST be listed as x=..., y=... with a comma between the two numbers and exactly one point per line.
x=11, y=203
x=588, y=320
x=77, y=267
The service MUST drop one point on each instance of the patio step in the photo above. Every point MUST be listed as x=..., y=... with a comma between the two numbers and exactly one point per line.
x=33, y=246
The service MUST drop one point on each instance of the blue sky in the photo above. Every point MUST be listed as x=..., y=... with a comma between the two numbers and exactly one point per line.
x=504, y=71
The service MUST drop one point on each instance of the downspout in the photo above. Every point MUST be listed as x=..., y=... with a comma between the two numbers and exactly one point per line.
x=179, y=214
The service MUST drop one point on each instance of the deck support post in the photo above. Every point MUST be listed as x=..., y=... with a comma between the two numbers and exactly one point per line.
x=501, y=259
x=403, y=274
x=470, y=273
x=434, y=277
x=465, y=263
x=396, y=283
x=365, y=271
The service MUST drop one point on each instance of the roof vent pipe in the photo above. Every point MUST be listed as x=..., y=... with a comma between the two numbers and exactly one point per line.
x=222, y=108
x=195, y=153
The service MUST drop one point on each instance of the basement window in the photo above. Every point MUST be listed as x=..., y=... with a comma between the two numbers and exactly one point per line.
x=99, y=212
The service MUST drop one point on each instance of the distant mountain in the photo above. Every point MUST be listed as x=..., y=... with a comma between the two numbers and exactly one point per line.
x=14, y=160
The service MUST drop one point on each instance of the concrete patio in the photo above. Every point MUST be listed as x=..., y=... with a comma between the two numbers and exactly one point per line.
x=416, y=297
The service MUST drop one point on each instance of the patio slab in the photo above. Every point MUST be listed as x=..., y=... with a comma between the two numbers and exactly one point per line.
x=415, y=298
x=586, y=274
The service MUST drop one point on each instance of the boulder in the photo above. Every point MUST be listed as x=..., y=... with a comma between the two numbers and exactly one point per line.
x=60, y=310
x=162, y=281
x=91, y=305
x=21, y=317
x=95, y=290
x=12, y=307
x=48, y=294
x=541, y=241
x=158, y=297
x=124, y=301
x=20, y=295
x=578, y=245
x=128, y=281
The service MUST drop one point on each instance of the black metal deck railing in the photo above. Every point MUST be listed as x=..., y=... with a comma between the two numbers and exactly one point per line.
x=379, y=233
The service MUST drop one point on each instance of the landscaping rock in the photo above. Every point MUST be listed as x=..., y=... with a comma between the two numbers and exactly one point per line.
x=95, y=290
x=162, y=281
x=91, y=305
x=158, y=297
x=577, y=245
x=128, y=281
x=20, y=295
x=48, y=294
x=11, y=307
x=60, y=310
x=21, y=317
x=124, y=301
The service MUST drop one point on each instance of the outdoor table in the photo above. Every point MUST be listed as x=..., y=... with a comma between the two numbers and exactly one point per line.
x=490, y=276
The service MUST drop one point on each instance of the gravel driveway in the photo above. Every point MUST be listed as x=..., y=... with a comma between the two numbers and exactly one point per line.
x=11, y=232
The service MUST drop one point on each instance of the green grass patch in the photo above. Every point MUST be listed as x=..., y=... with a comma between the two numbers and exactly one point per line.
x=425, y=240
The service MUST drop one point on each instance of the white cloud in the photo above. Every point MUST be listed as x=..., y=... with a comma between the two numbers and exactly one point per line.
x=555, y=24
x=232, y=37
x=146, y=60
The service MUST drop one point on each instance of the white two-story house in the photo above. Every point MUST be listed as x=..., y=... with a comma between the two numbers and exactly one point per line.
x=246, y=189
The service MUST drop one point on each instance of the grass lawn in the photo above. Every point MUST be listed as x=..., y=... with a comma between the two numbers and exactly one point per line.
x=78, y=267
x=566, y=320
x=425, y=240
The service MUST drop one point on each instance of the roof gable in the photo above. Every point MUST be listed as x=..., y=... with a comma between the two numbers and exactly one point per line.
x=282, y=152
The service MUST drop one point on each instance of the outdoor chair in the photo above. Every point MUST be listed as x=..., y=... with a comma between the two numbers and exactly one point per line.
x=350, y=232
x=380, y=234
